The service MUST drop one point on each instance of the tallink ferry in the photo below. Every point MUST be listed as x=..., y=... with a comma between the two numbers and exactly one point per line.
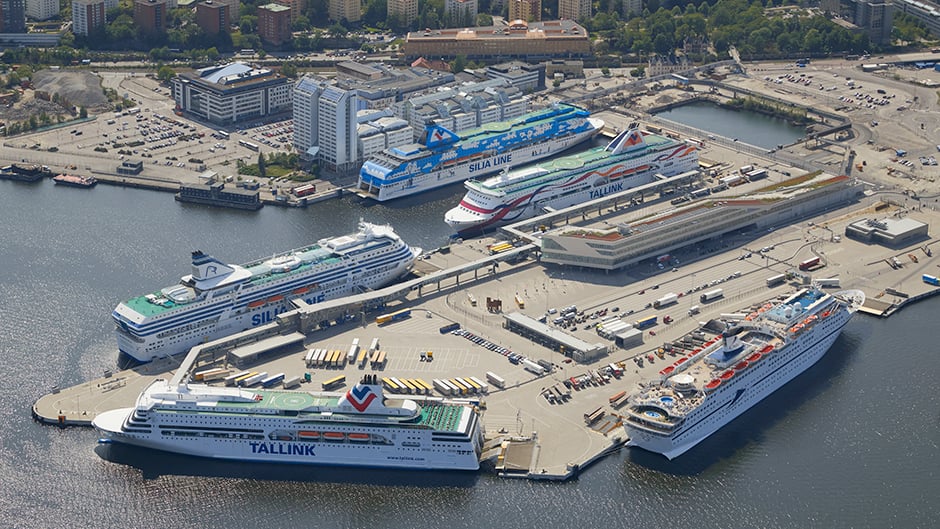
x=447, y=157
x=359, y=428
x=632, y=158
x=712, y=385
x=219, y=299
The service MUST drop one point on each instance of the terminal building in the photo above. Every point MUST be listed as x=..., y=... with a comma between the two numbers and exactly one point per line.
x=631, y=243
x=531, y=41
x=232, y=93
x=889, y=232
x=554, y=339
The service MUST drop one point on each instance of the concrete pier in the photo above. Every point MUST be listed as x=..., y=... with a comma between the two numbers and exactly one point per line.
x=532, y=437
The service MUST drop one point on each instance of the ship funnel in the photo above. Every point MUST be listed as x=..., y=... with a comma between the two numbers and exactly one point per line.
x=731, y=342
x=439, y=136
x=627, y=140
x=207, y=267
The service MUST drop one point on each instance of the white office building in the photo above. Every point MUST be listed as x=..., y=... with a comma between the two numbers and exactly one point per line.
x=232, y=93
x=42, y=9
x=325, y=124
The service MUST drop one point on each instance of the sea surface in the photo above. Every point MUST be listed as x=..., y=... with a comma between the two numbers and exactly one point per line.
x=851, y=443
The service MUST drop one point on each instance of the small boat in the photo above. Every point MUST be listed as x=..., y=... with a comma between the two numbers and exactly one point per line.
x=713, y=384
x=334, y=436
x=256, y=303
x=358, y=437
x=741, y=366
x=275, y=299
x=301, y=290
x=727, y=375
x=668, y=370
x=754, y=357
x=308, y=434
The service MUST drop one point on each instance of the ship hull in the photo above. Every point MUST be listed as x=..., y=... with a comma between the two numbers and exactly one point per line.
x=227, y=318
x=523, y=206
x=753, y=386
x=477, y=168
x=264, y=449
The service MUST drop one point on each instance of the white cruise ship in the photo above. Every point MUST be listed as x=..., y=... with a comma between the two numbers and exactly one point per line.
x=631, y=159
x=219, y=299
x=358, y=428
x=447, y=157
x=710, y=386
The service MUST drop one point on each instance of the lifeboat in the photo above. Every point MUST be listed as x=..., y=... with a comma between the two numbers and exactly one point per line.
x=683, y=359
x=767, y=348
x=713, y=384
x=275, y=299
x=256, y=303
x=361, y=437
x=334, y=436
x=668, y=370
x=741, y=366
x=727, y=375
x=754, y=357
x=308, y=434
x=301, y=290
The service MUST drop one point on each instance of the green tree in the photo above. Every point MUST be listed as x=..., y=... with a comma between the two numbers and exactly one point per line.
x=82, y=112
x=289, y=69
x=261, y=171
x=165, y=73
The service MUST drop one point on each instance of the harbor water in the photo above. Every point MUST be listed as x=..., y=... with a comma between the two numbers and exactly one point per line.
x=855, y=442
x=756, y=129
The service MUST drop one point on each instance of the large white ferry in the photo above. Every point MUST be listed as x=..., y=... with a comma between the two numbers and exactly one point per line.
x=447, y=158
x=219, y=299
x=358, y=428
x=632, y=158
x=710, y=386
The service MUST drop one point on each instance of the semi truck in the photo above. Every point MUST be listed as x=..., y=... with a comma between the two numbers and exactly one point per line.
x=776, y=280
x=832, y=282
x=711, y=295
x=532, y=367
x=646, y=322
x=666, y=300
x=931, y=280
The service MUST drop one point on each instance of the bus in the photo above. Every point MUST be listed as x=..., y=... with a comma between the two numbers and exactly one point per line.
x=809, y=263
x=222, y=134
x=249, y=145
x=398, y=315
x=304, y=190
x=520, y=302
x=334, y=383
x=499, y=248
